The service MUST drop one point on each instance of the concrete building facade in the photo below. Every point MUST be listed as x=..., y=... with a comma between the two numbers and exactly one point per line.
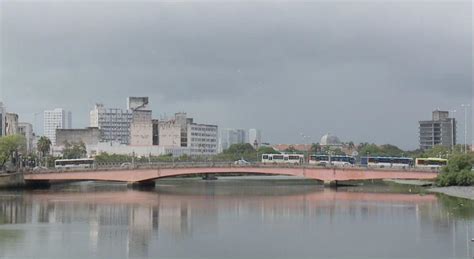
x=145, y=151
x=200, y=139
x=114, y=123
x=141, y=128
x=11, y=124
x=26, y=130
x=155, y=132
x=56, y=119
x=440, y=130
x=89, y=136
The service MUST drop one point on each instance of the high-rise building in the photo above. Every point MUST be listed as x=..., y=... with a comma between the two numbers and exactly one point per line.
x=114, y=123
x=11, y=124
x=141, y=128
x=441, y=130
x=26, y=129
x=2, y=119
x=229, y=137
x=56, y=119
x=255, y=137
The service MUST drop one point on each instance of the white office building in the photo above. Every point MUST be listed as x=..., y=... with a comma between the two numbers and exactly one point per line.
x=200, y=139
x=255, y=137
x=56, y=119
x=113, y=123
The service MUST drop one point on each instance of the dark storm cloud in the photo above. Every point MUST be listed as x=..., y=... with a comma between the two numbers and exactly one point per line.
x=367, y=71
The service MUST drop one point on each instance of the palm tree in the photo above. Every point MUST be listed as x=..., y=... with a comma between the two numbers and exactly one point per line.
x=44, y=145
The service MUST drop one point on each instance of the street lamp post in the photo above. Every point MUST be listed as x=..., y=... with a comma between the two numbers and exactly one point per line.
x=465, y=106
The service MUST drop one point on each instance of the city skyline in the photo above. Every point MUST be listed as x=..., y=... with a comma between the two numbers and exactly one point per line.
x=343, y=77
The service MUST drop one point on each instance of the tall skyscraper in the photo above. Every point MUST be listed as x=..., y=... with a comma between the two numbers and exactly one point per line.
x=2, y=119
x=229, y=137
x=141, y=128
x=56, y=119
x=255, y=137
x=440, y=130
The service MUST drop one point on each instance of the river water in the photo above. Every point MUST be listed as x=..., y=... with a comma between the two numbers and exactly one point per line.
x=233, y=218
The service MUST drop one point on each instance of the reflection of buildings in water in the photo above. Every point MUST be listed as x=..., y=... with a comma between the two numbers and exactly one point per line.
x=130, y=222
x=174, y=217
x=11, y=212
x=141, y=228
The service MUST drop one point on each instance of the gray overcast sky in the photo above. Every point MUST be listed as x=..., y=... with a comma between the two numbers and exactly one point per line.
x=362, y=70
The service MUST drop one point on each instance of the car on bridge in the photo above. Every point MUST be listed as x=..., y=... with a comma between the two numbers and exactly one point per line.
x=241, y=162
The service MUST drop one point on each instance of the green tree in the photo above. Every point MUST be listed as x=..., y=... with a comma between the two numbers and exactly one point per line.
x=239, y=149
x=10, y=147
x=315, y=148
x=267, y=150
x=458, y=171
x=459, y=162
x=44, y=146
x=437, y=151
x=338, y=152
x=291, y=149
x=74, y=150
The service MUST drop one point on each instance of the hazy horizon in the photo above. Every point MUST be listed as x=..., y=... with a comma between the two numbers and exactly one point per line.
x=364, y=71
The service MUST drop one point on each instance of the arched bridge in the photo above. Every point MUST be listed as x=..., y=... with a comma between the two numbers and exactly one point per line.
x=148, y=175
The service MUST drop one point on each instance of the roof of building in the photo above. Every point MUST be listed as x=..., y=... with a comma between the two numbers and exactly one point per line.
x=330, y=140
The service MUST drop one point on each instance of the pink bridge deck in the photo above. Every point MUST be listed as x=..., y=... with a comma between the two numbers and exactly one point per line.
x=146, y=175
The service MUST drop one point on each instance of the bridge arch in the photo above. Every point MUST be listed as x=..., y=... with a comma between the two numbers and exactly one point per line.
x=147, y=175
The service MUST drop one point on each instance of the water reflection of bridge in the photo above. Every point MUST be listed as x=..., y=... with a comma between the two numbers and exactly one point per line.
x=150, y=214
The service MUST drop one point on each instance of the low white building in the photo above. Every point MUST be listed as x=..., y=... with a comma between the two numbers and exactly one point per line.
x=201, y=139
x=145, y=151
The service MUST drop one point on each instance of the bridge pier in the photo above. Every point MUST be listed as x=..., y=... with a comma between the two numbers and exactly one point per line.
x=138, y=185
x=330, y=184
x=44, y=184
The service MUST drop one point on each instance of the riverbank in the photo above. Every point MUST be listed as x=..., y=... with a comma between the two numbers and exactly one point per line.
x=13, y=180
x=466, y=192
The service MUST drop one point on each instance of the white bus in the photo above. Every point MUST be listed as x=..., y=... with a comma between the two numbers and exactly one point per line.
x=342, y=161
x=321, y=160
x=326, y=160
x=433, y=163
x=283, y=159
x=387, y=162
x=74, y=163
